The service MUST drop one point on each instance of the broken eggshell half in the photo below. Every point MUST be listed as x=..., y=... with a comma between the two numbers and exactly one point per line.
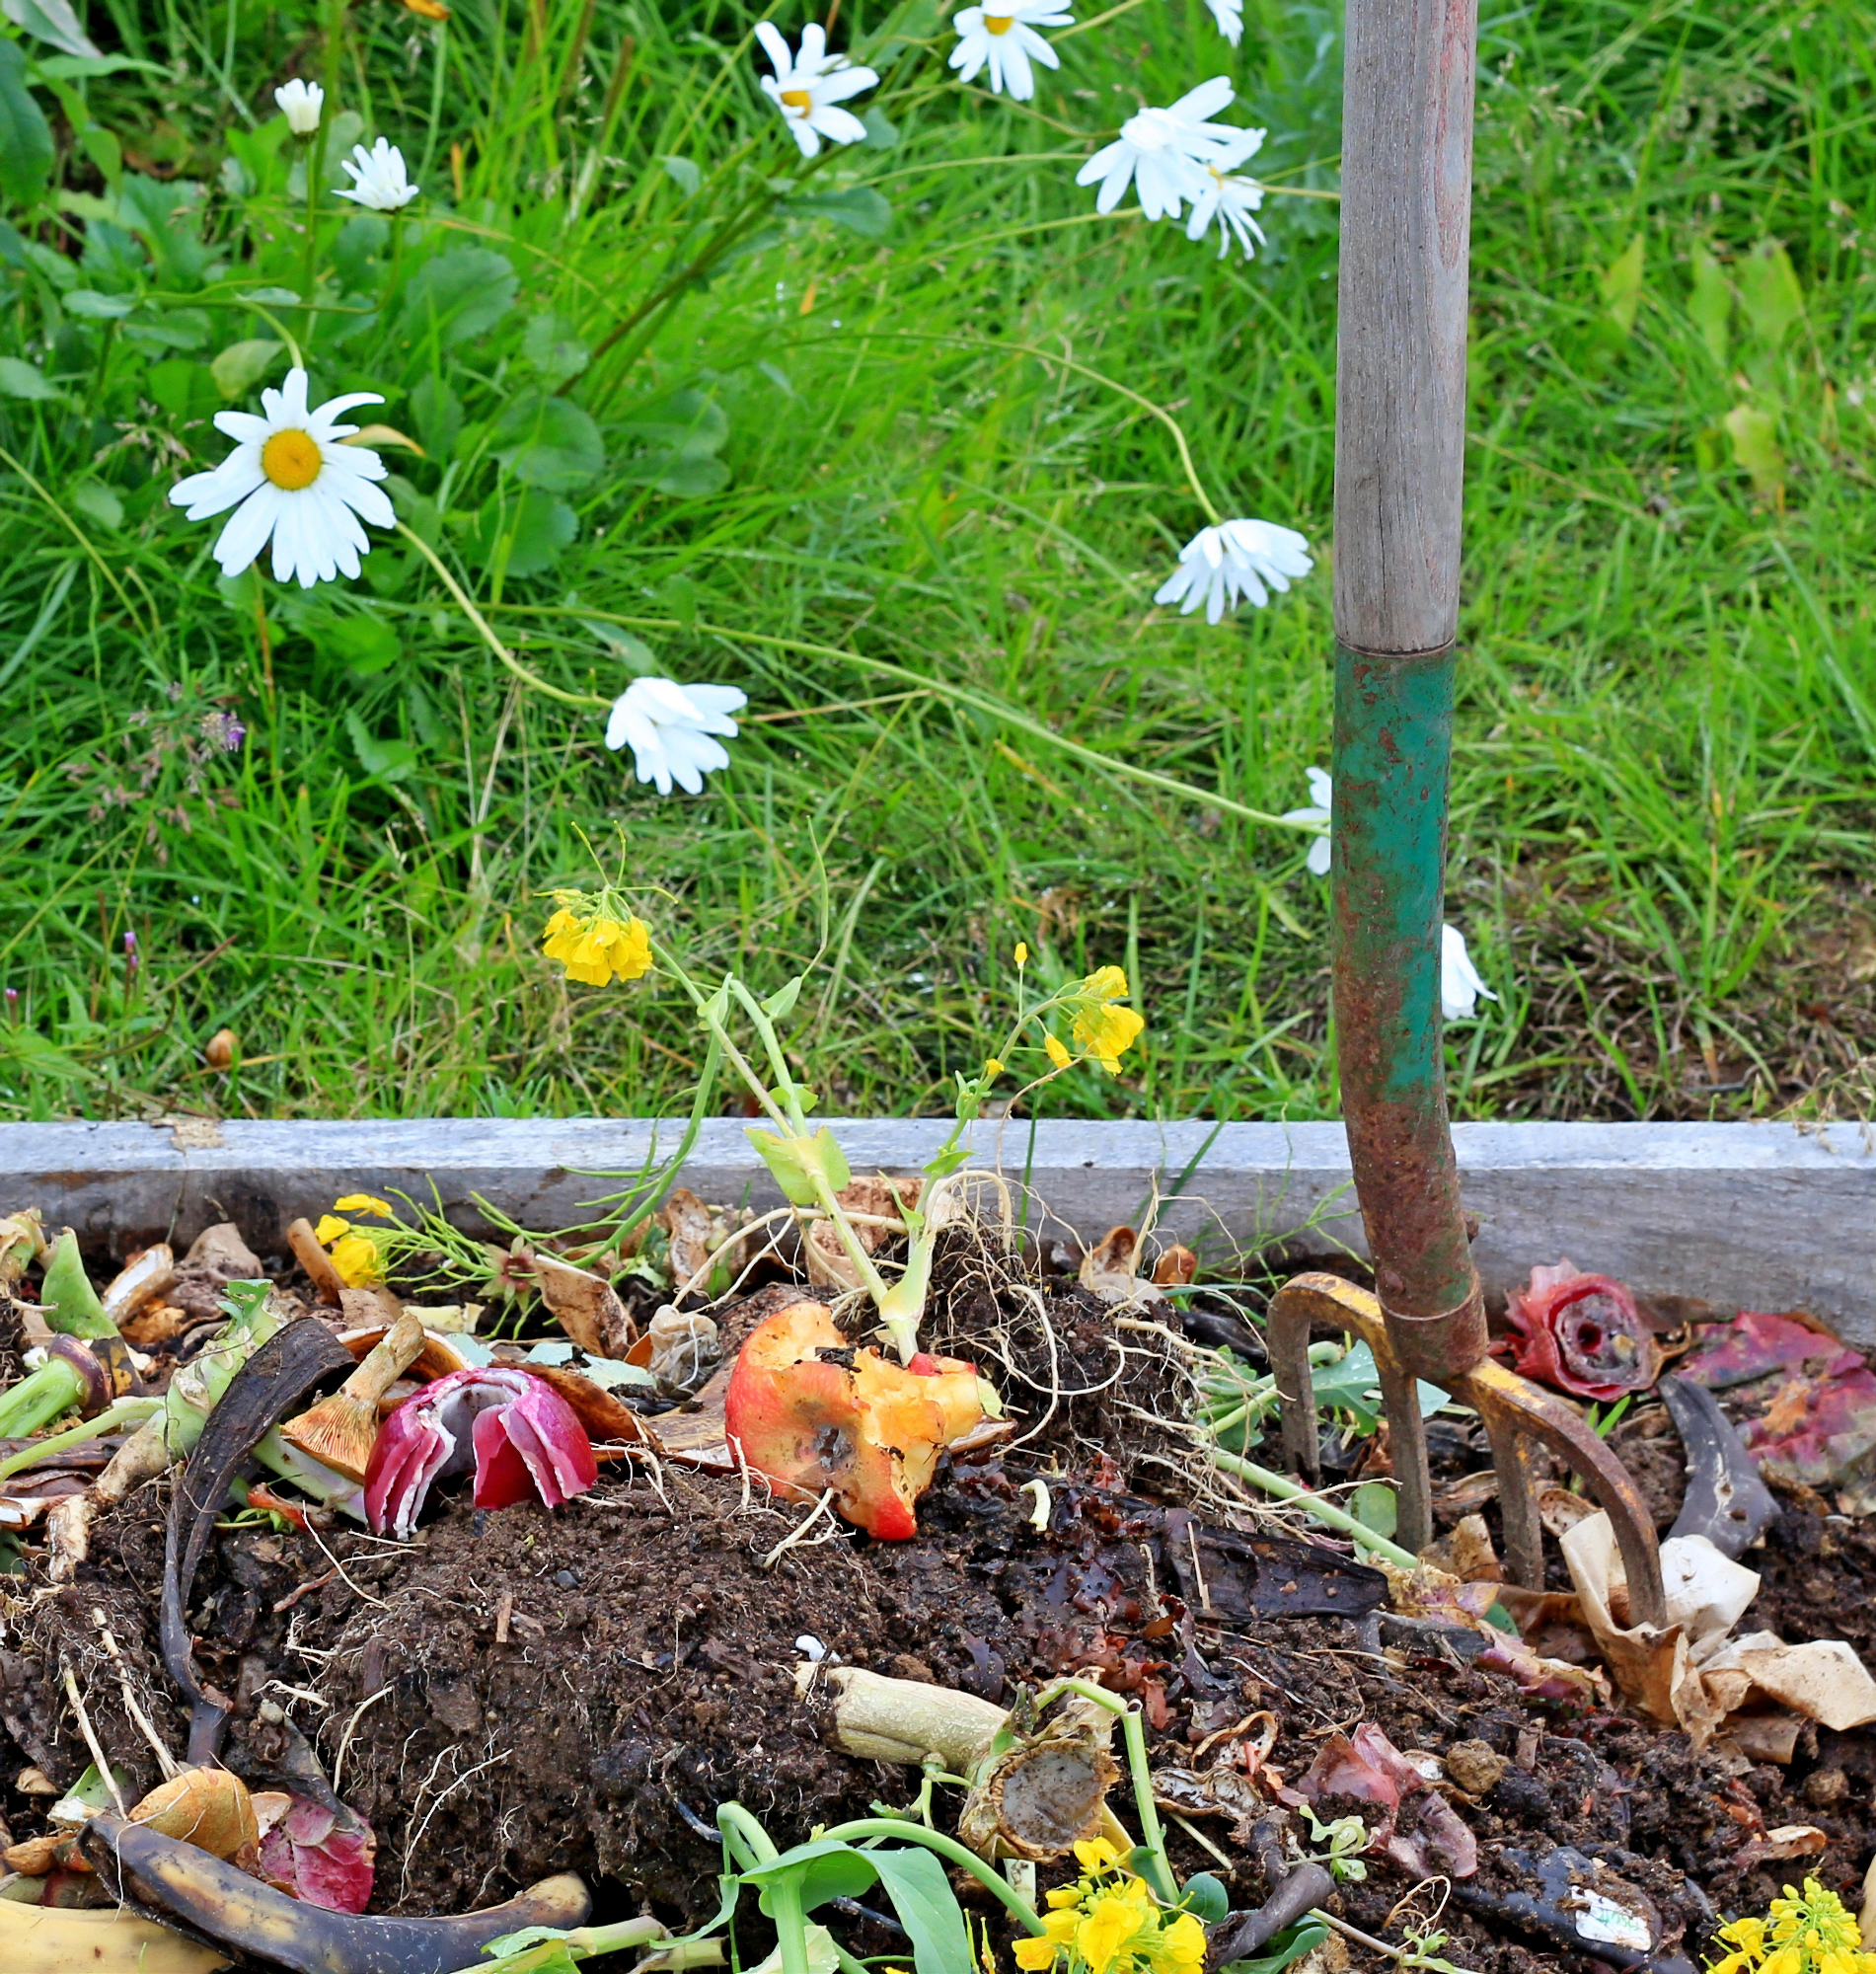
x=812, y=1412
x=523, y=1438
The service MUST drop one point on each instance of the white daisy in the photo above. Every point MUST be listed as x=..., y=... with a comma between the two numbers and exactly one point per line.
x=289, y=477
x=1228, y=200
x=1235, y=559
x=1163, y=152
x=377, y=177
x=809, y=87
x=1461, y=988
x=1004, y=37
x=668, y=727
x=1321, y=794
x=1230, y=16
x=300, y=103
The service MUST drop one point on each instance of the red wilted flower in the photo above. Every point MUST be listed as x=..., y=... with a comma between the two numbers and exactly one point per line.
x=523, y=1438
x=811, y=1411
x=1582, y=1334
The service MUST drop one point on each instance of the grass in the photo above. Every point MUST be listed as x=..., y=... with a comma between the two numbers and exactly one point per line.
x=1663, y=837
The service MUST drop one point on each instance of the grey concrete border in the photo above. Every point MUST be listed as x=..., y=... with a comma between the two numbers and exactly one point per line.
x=1757, y=1216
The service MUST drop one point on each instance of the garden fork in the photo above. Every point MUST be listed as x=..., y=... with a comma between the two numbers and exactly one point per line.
x=1399, y=446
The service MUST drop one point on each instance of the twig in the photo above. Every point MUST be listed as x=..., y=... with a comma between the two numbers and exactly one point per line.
x=91, y=1739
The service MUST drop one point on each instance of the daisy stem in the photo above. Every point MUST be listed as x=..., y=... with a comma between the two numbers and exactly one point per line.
x=481, y=623
x=314, y=160
x=260, y=626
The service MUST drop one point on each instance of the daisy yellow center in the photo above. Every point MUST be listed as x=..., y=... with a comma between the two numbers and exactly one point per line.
x=291, y=460
x=999, y=24
x=797, y=98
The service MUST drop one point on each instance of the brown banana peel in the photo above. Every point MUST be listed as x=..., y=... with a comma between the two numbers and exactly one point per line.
x=216, y=1902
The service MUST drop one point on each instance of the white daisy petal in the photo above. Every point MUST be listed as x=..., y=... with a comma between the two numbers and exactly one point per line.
x=809, y=85
x=1461, y=986
x=297, y=485
x=669, y=727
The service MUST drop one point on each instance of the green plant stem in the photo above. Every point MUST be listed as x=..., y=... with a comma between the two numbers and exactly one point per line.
x=1282, y=1489
x=127, y=1412
x=948, y=1847
x=39, y=1398
x=489, y=637
x=1153, y=1841
x=700, y=1109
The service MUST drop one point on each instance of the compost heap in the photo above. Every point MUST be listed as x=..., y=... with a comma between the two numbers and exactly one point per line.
x=519, y=1690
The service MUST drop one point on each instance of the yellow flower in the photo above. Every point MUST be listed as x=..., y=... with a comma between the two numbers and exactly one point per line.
x=1064, y=1896
x=1108, y=1930
x=1746, y=1933
x=594, y=948
x=1785, y=1960
x=1057, y=1053
x=1103, y=1030
x=357, y=1262
x=1182, y=1946
x=330, y=1228
x=1022, y=955
x=361, y=1202
x=1035, y=1953
x=993, y=1067
x=1097, y=1855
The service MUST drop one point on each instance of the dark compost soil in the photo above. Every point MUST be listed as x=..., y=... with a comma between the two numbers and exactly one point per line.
x=520, y=1693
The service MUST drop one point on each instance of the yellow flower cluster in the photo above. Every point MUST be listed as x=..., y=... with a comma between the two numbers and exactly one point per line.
x=1107, y=1924
x=590, y=938
x=1811, y=1932
x=1102, y=1030
x=356, y=1257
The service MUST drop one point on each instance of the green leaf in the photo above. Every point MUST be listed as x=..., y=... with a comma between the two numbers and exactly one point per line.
x=242, y=365
x=927, y=1908
x=365, y=645
x=882, y=133
x=781, y=1002
x=1710, y=304
x=859, y=208
x=94, y=306
x=1769, y=293
x=1620, y=284
x=1291, y=1944
x=685, y=425
x=828, y=1154
x=1375, y=1507
x=53, y=21
x=92, y=498
x=1206, y=1898
x=438, y=412
x=1755, y=437
x=550, y=442
x=535, y=527
x=552, y=348
x=1353, y=1383
x=387, y=760
x=826, y=1868
x=458, y=295
x=19, y=379
x=784, y=1160
x=684, y=173
x=820, y=1952
x=26, y=138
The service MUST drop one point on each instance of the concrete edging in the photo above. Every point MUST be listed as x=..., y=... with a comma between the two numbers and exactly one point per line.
x=1757, y=1216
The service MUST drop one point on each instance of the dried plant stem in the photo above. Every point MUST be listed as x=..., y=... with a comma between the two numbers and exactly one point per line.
x=91, y=1739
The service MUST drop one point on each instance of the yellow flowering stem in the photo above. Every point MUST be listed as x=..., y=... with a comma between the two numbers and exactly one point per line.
x=1318, y=1510
x=1155, y=1868
x=658, y=1187
x=951, y=1851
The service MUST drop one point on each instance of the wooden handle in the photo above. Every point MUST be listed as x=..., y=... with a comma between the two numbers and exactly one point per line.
x=1400, y=378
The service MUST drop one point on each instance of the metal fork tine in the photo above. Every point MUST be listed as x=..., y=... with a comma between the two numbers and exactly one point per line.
x=1519, y=1417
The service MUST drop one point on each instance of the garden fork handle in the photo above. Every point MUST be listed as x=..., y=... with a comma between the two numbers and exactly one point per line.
x=1400, y=446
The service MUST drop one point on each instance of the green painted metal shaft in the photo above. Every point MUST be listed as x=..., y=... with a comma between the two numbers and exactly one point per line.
x=1394, y=742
